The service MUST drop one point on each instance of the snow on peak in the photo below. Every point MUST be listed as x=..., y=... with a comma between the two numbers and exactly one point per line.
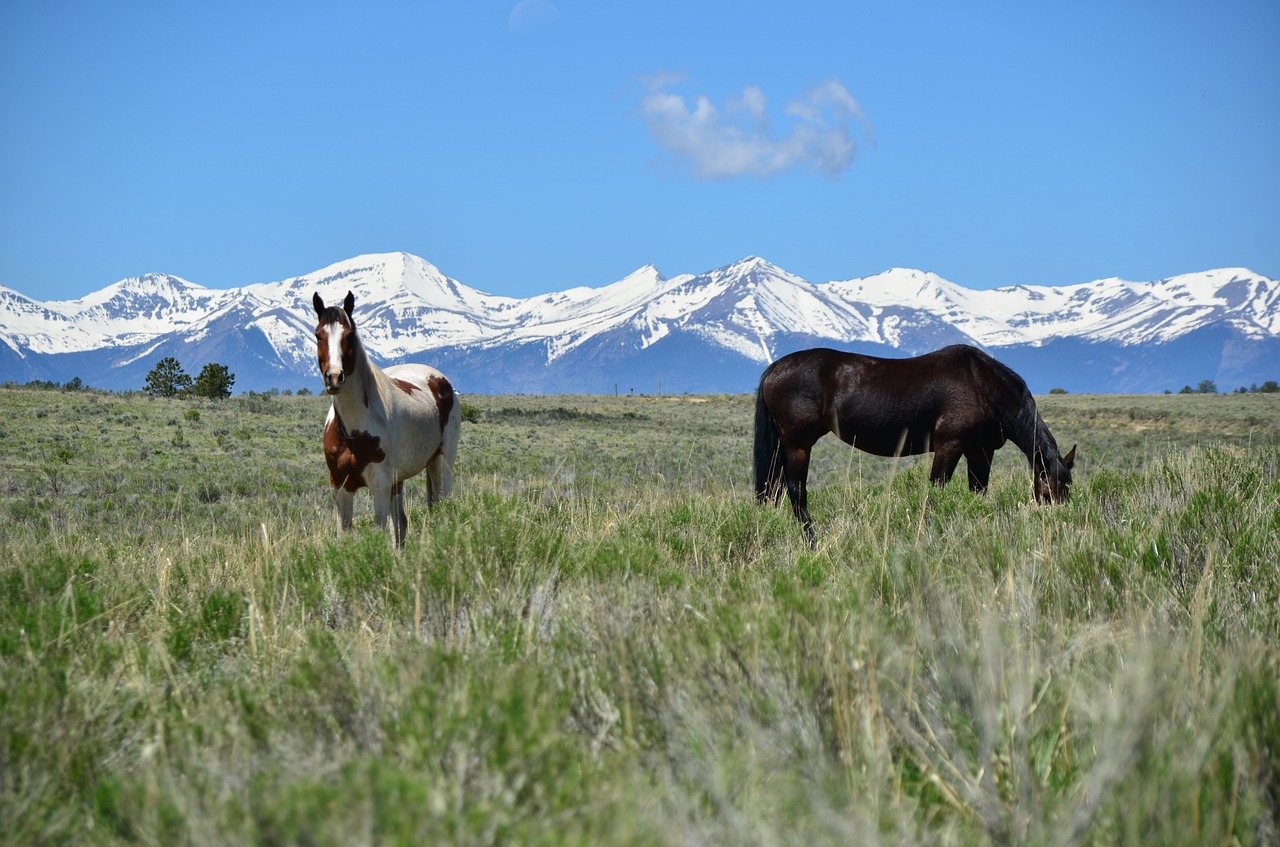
x=405, y=305
x=138, y=291
x=748, y=264
x=1106, y=309
x=564, y=320
x=750, y=304
x=648, y=272
x=121, y=313
x=891, y=286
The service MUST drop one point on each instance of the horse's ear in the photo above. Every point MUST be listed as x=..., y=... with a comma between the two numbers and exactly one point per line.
x=1070, y=458
x=318, y=303
x=349, y=304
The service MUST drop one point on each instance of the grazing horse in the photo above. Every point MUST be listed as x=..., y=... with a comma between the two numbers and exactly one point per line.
x=384, y=425
x=957, y=401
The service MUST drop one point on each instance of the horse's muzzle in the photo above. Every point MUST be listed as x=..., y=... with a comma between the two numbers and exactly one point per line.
x=333, y=381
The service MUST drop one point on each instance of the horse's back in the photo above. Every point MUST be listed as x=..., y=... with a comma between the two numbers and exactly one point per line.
x=424, y=384
x=808, y=369
x=959, y=381
x=418, y=375
x=957, y=367
x=886, y=406
x=798, y=390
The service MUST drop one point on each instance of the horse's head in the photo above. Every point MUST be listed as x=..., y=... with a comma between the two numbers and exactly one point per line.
x=335, y=341
x=1053, y=478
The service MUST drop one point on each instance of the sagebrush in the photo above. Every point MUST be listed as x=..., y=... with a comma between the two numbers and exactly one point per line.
x=603, y=640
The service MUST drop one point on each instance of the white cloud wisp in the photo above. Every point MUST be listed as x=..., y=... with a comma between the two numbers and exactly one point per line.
x=740, y=140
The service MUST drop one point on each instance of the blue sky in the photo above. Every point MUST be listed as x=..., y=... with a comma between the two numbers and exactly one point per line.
x=525, y=147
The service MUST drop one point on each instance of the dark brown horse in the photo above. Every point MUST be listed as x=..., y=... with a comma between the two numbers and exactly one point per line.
x=957, y=401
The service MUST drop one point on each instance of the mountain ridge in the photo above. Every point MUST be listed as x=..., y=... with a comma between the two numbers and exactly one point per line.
x=711, y=331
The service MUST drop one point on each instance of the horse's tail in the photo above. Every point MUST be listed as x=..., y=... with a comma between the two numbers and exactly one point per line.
x=767, y=458
x=449, y=410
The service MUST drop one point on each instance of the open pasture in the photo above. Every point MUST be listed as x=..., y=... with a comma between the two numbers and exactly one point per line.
x=603, y=640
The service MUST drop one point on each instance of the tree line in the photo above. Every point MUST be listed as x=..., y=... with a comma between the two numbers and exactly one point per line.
x=1208, y=386
x=168, y=379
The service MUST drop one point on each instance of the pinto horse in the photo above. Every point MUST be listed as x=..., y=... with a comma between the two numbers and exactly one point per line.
x=957, y=401
x=384, y=426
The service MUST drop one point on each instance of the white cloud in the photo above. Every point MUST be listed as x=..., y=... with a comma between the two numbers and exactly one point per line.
x=739, y=140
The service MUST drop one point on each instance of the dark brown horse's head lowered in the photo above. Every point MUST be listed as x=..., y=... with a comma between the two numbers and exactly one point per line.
x=336, y=341
x=1053, y=474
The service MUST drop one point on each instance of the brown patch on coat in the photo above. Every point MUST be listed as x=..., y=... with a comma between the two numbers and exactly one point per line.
x=442, y=390
x=406, y=386
x=348, y=454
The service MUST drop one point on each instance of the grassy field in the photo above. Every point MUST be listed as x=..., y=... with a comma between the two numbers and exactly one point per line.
x=603, y=640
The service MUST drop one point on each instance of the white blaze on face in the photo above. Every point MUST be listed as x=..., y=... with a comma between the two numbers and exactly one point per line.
x=334, y=336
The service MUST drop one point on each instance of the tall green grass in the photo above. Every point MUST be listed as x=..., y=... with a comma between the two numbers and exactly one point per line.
x=603, y=640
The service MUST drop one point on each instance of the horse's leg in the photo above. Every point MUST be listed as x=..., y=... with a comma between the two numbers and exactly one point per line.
x=447, y=455
x=400, y=520
x=979, y=462
x=797, y=475
x=946, y=456
x=388, y=504
x=382, y=496
x=439, y=478
x=432, y=486
x=345, y=502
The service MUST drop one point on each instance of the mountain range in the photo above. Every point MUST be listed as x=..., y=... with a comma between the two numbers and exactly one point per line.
x=711, y=332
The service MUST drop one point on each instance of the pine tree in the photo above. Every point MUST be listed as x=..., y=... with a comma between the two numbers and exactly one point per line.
x=167, y=379
x=214, y=382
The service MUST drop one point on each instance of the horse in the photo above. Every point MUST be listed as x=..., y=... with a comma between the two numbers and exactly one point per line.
x=384, y=425
x=957, y=401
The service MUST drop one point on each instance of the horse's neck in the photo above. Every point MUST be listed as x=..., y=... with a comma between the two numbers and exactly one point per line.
x=362, y=394
x=1037, y=442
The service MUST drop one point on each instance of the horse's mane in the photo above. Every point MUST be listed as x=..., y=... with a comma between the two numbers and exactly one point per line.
x=1022, y=422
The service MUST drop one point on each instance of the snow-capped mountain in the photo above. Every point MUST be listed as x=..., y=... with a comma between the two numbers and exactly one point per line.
x=707, y=332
